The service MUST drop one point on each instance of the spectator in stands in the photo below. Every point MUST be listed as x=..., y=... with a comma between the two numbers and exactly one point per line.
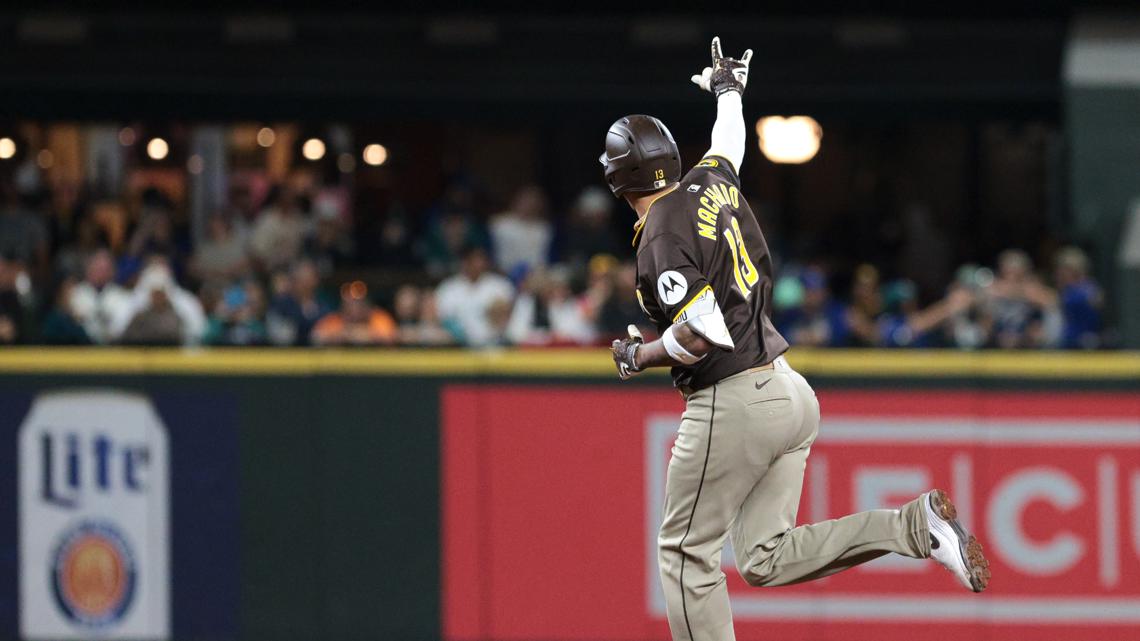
x=358, y=322
x=904, y=324
x=452, y=226
x=471, y=302
x=241, y=209
x=279, y=233
x=155, y=324
x=298, y=306
x=546, y=312
x=970, y=327
x=522, y=235
x=98, y=300
x=394, y=244
x=529, y=323
x=900, y=304
x=1080, y=299
x=571, y=321
x=155, y=235
x=866, y=306
x=89, y=238
x=12, y=314
x=418, y=318
x=818, y=320
x=160, y=312
x=61, y=325
x=65, y=210
x=1018, y=303
x=329, y=246
x=23, y=234
x=221, y=256
x=787, y=297
x=498, y=319
x=237, y=317
x=406, y=305
x=613, y=296
x=430, y=329
x=590, y=230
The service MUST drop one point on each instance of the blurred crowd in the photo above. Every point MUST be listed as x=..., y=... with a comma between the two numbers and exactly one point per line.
x=1008, y=307
x=286, y=272
x=289, y=270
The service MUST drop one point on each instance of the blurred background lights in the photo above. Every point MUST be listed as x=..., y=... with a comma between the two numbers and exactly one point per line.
x=195, y=164
x=313, y=149
x=790, y=140
x=127, y=136
x=7, y=148
x=266, y=137
x=157, y=149
x=45, y=159
x=375, y=154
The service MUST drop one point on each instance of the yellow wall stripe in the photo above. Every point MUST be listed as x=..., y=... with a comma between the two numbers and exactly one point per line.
x=550, y=362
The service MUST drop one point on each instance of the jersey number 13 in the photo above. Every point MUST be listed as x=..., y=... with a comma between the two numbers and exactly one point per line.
x=743, y=269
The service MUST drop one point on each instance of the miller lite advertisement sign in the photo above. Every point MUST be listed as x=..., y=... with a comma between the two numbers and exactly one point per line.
x=94, y=512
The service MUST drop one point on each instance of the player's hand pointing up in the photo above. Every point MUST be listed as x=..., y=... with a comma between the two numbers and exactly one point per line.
x=725, y=74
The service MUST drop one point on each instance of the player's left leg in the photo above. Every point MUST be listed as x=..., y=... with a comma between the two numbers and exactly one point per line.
x=770, y=550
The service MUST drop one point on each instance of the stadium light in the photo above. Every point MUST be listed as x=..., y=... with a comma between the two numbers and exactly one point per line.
x=791, y=140
x=7, y=148
x=266, y=137
x=157, y=149
x=313, y=149
x=375, y=154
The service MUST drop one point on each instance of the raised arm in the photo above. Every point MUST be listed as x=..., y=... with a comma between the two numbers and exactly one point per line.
x=726, y=79
x=698, y=324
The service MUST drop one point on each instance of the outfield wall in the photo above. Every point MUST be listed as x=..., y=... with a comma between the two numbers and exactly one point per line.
x=303, y=494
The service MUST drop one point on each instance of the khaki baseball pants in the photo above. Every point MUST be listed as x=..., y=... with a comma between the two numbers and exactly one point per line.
x=737, y=468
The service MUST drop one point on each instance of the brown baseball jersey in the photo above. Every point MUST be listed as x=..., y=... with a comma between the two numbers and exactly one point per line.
x=703, y=237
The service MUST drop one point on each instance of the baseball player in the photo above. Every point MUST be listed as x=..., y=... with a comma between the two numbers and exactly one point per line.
x=705, y=279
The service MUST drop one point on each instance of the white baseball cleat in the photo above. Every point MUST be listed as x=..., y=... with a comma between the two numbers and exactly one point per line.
x=952, y=546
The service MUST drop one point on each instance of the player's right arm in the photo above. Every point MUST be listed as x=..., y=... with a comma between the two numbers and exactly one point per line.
x=685, y=296
x=726, y=79
x=681, y=345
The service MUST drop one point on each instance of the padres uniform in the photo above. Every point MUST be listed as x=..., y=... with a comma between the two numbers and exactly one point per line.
x=738, y=463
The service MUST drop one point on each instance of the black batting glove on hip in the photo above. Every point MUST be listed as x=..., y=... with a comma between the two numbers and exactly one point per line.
x=625, y=353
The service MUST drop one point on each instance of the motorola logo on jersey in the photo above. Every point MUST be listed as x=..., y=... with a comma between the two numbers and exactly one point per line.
x=672, y=287
x=93, y=574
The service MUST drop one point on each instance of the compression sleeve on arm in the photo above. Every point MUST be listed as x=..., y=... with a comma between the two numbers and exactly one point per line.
x=728, y=133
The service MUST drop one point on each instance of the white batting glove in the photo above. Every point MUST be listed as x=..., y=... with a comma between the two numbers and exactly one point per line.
x=725, y=74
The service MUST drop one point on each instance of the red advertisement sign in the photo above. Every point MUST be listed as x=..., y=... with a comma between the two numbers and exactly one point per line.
x=552, y=498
